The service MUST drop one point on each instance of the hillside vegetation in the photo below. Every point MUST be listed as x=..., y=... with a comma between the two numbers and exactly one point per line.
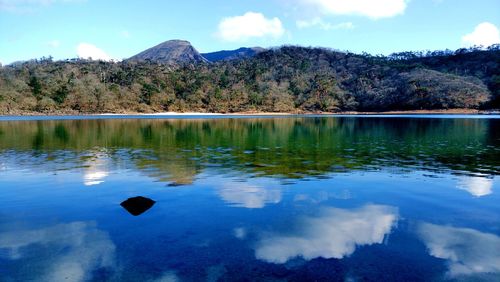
x=286, y=79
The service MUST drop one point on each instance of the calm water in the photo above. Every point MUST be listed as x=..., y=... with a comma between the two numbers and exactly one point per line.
x=264, y=199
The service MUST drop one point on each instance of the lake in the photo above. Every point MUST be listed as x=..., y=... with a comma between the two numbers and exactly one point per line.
x=320, y=198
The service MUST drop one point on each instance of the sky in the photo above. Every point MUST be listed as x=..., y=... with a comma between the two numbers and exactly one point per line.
x=118, y=29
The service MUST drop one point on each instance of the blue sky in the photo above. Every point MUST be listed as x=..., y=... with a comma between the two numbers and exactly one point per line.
x=119, y=29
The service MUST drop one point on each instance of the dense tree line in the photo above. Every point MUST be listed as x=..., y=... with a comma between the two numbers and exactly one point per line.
x=285, y=79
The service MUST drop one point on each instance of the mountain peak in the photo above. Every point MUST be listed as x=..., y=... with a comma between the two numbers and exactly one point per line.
x=174, y=42
x=171, y=52
x=178, y=51
x=226, y=55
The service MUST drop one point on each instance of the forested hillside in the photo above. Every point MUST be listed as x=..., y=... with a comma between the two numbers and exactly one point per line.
x=286, y=79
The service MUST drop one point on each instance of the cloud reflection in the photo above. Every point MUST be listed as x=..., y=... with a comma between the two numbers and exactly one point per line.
x=476, y=186
x=94, y=177
x=240, y=233
x=96, y=171
x=250, y=196
x=63, y=252
x=335, y=233
x=467, y=251
x=168, y=276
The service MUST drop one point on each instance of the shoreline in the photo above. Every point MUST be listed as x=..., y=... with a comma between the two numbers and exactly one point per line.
x=174, y=114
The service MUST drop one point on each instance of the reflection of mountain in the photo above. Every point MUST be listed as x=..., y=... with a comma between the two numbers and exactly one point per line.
x=168, y=168
x=248, y=195
x=467, y=251
x=334, y=233
x=476, y=186
x=64, y=252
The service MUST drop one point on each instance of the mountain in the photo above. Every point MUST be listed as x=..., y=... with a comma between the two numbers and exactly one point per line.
x=171, y=52
x=285, y=79
x=181, y=51
x=226, y=55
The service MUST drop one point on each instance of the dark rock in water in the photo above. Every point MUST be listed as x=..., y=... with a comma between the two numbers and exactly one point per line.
x=176, y=184
x=137, y=205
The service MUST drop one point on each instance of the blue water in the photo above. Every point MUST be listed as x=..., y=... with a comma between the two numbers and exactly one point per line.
x=274, y=199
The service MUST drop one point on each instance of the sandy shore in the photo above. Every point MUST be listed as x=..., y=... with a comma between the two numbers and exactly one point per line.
x=428, y=112
x=415, y=112
x=203, y=114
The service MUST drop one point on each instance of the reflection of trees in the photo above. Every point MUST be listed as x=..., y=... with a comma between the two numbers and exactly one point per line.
x=178, y=150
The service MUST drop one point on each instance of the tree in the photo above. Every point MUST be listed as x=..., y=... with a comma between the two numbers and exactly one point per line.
x=36, y=87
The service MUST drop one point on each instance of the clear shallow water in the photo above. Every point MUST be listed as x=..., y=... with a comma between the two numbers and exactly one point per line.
x=266, y=199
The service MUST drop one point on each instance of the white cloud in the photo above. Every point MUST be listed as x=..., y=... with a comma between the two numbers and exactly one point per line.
x=318, y=22
x=476, y=186
x=85, y=51
x=54, y=43
x=335, y=233
x=249, y=196
x=374, y=9
x=29, y=5
x=63, y=252
x=250, y=25
x=467, y=251
x=485, y=34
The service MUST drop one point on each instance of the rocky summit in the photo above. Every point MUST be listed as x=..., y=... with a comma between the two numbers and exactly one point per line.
x=171, y=52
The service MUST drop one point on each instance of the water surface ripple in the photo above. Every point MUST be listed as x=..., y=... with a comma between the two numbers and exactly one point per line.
x=320, y=198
